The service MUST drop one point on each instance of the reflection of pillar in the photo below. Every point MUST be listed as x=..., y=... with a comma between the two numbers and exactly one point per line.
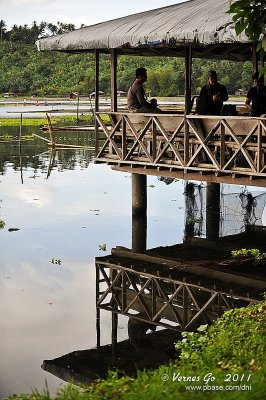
x=114, y=332
x=189, y=211
x=98, y=311
x=139, y=212
x=139, y=233
x=212, y=211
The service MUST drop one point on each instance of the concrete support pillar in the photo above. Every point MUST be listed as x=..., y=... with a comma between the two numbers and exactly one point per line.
x=213, y=211
x=139, y=213
x=139, y=194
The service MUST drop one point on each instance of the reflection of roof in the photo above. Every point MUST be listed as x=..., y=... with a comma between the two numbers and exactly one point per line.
x=163, y=31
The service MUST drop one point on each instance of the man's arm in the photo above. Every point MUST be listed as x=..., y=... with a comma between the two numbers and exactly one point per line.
x=141, y=98
x=247, y=103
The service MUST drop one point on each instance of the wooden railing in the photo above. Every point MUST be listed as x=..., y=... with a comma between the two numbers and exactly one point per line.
x=219, y=144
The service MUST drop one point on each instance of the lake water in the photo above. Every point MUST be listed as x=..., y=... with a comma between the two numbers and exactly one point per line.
x=64, y=210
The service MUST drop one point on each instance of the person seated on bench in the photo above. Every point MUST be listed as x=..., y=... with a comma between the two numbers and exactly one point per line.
x=136, y=98
x=212, y=96
x=257, y=97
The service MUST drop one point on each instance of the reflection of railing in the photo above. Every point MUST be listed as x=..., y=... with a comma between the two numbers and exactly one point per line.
x=173, y=300
x=214, y=144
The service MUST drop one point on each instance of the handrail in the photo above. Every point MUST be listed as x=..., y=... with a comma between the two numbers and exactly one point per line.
x=222, y=144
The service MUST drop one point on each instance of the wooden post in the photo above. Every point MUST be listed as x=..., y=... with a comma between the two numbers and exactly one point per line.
x=78, y=108
x=185, y=305
x=139, y=212
x=188, y=65
x=254, y=59
x=113, y=80
x=20, y=131
x=114, y=332
x=50, y=128
x=98, y=310
x=213, y=211
x=96, y=98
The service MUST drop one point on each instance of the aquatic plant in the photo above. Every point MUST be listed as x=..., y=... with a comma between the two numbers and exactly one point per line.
x=2, y=224
x=260, y=258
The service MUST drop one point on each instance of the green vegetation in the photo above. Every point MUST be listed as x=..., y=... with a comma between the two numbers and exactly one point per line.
x=194, y=220
x=260, y=258
x=250, y=17
x=25, y=71
x=220, y=359
x=7, y=137
x=88, y=119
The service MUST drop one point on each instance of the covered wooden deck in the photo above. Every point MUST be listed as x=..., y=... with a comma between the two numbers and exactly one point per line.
x=227, y=149
x=214, y=149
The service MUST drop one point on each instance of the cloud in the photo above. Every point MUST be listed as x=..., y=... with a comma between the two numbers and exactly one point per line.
x=37, y=196
x=29, y=2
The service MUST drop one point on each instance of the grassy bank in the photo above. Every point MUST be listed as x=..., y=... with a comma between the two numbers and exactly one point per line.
x=225, y=361
x=83, y=119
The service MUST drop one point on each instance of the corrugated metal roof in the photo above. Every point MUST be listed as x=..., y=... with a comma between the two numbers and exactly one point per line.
x=202, y=23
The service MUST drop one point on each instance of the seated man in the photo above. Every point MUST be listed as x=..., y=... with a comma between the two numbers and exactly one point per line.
x=257, y=97
x=136, y=98
x=212, y=96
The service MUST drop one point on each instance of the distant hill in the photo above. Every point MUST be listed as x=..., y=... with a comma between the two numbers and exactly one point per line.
x=25, y=71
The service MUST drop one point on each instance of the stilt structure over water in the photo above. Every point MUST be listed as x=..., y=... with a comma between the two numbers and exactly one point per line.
x=207, y=148
x=159, y=286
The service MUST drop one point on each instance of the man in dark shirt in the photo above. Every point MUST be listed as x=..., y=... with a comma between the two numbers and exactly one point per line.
x=257, y=97
x=212, y=96
x=136, y=98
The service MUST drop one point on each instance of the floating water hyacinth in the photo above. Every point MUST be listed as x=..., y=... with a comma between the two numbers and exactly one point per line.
x=2, y=224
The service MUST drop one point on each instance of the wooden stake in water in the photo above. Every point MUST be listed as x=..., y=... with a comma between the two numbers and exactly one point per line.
x=77, y=108
x=19, y=141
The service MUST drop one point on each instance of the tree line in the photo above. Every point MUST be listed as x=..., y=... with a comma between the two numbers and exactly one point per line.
x=25, y=71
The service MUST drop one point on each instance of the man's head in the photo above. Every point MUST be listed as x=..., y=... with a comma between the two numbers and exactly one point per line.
x=141, y=74
x=212, y=77
x=257, y=80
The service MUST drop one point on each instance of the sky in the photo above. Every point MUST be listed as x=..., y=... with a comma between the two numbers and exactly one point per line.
x=78, y=12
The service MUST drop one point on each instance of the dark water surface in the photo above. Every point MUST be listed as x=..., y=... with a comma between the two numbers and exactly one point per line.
x=47, y=274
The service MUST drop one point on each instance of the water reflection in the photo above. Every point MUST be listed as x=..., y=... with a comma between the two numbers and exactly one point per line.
x=48, y=308
x=178, y=287
x=32, y=153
